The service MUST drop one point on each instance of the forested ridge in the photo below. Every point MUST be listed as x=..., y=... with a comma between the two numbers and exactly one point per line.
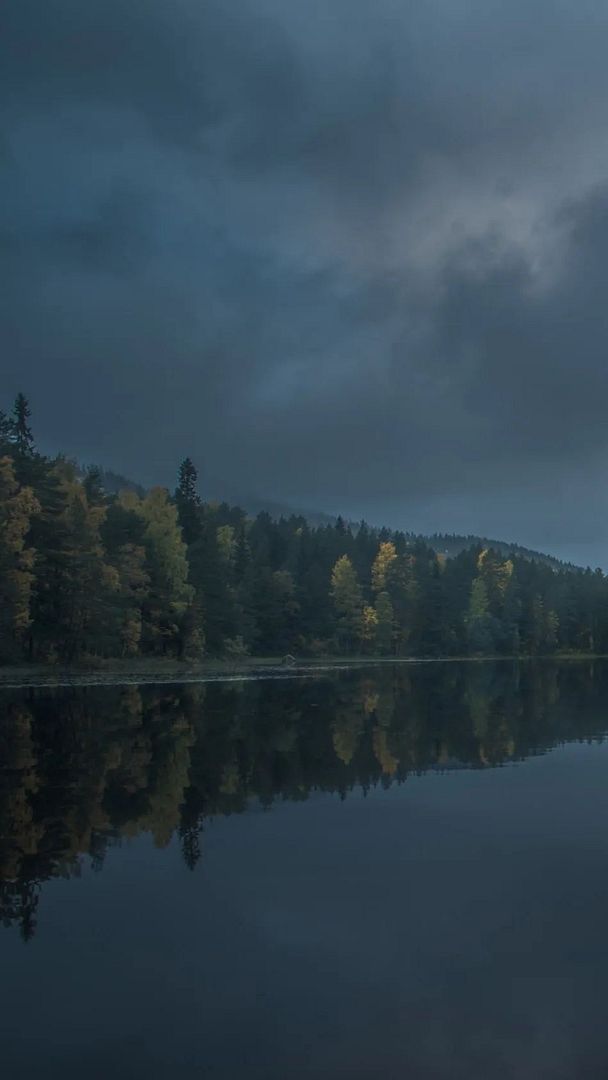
x=86, y=574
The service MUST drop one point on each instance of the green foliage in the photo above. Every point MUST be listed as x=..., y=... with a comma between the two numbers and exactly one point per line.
x=24, y=442
x=187, y=501
x=235, y=648
x=87, y=570
x=385, y=617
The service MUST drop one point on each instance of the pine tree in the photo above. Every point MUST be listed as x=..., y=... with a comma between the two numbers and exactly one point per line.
x=24, y=441
x=7, y=440
x=188, y=501
x=275, y=612
x=187, y=482
x=190, y=836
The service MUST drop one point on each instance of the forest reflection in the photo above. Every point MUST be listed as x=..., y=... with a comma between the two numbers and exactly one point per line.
x=83, y=769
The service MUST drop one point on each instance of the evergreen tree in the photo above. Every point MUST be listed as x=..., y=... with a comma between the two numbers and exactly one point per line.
x=7, y=441
x=93, y=486
x=385, y=623
x=478, y=620
x=190, y=836
x=208, y=579
x=24, y=441
x=187, y=482
x=188, y=501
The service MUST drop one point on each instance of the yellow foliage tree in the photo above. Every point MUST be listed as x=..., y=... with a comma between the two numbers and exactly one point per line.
x=17, y=508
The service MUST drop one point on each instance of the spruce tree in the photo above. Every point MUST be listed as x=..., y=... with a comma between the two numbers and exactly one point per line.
x=187, y=481
x=6, y=434
x=24, y=440
x=188, y=501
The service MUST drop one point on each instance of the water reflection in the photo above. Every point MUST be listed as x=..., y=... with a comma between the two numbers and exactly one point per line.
x=82, y=769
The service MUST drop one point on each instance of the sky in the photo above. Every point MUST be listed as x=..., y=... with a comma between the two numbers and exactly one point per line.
x=349, y=255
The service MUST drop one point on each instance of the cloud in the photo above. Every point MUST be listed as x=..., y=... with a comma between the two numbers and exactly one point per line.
x=337, y=252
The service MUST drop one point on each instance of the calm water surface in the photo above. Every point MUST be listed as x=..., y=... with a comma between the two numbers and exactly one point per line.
x=391, y=872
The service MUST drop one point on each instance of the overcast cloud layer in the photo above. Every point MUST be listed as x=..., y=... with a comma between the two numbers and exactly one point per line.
x=350, y=255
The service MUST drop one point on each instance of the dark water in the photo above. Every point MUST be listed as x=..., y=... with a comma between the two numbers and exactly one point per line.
x=392, y=872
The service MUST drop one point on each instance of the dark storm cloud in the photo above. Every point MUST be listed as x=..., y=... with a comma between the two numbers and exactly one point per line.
x=341, y=252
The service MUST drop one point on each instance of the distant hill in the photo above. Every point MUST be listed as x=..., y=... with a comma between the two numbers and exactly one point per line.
x=450, y=544
x=112, y=482
x=254, y=506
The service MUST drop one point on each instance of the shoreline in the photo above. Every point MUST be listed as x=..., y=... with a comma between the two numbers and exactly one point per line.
x=124, y=673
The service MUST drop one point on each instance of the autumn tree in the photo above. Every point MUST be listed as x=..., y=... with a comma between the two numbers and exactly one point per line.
x=369, y=628
x=348, y=602
x=17, y=559
x=384, y=566
x=85, y=580
x=170, y=593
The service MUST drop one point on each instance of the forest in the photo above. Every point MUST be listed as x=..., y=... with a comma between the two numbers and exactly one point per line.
x=88, y=575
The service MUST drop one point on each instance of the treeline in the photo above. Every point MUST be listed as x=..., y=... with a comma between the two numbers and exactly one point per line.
x=452, y=544
x=85, y=769
x=87, y=573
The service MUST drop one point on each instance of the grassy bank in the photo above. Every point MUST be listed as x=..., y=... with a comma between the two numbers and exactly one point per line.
x=115, y=672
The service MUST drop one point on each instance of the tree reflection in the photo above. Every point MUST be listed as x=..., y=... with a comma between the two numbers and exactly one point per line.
x=82, y=769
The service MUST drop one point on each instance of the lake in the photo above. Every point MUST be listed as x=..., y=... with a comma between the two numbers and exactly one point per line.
x=391, y=871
